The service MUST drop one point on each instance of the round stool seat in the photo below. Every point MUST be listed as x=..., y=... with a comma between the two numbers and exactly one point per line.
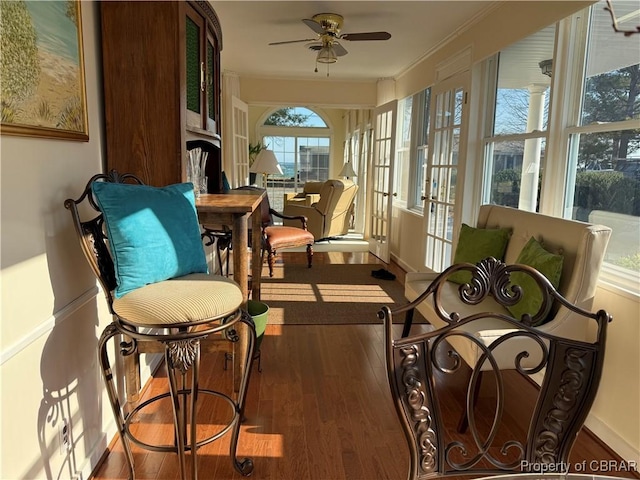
x=194, y=298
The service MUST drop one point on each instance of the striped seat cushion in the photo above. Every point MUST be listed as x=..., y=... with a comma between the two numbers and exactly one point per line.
x=192, y=298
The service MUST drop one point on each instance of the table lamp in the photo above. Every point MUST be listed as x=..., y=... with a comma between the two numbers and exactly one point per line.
x=347, y=171
x=265, y=163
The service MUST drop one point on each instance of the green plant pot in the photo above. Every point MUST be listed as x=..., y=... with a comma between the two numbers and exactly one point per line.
x=259, y=312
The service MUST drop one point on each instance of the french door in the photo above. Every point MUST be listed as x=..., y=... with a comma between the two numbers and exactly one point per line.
x=380, y=191
x=240, y=143
x=445, y=169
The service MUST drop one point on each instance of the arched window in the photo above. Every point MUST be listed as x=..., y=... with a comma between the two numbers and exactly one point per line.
x=301, y=141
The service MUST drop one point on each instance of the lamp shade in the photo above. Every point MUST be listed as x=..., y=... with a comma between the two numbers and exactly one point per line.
x=327, y=54
x=347, y=171
x=266, y=163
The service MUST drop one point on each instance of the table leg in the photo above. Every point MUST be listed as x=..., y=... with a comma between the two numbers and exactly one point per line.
x=256, y=254
x=240, y=238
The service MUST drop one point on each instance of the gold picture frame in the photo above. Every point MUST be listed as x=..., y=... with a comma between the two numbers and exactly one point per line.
x=43, y=92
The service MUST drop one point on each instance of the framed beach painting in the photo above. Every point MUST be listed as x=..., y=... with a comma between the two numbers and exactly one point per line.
x=42, y=70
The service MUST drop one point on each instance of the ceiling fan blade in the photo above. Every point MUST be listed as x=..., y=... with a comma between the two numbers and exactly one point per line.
x=366, y=36
x=294, y=41
x=313, y=25
x=339, y=49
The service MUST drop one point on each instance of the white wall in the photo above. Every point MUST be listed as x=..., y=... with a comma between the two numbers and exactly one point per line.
x=51, y=313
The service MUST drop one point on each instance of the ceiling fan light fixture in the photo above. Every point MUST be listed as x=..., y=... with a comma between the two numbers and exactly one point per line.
x=327, y=55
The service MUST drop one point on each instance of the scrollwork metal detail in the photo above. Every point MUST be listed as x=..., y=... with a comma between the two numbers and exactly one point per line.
x=182, y=353
x=564, y=402
x=419, y=410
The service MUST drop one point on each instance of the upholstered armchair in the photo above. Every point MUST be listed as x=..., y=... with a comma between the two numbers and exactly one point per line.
x=309, y=195
x=329, y=215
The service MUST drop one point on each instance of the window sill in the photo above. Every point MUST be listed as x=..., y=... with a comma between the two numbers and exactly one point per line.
x=620, y=281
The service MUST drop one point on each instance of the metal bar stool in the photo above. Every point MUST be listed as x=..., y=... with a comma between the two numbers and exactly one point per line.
x=180, y=317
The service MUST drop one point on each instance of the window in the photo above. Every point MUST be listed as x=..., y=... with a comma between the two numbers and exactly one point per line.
x=301, y=141
x=411, y=150
x=515, y=145
x=422, y=102
x=604, y=148
x=403, y=149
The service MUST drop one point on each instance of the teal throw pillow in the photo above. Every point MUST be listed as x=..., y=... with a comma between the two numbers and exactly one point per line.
x=476, y=244
x=153, y=232
x=549, y=264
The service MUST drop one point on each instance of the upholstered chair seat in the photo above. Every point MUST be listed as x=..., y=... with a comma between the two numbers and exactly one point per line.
x=191, y=299
x=285, y=237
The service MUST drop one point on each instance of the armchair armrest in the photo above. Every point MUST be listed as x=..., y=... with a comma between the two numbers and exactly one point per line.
x=302, y=218
x=311, y=199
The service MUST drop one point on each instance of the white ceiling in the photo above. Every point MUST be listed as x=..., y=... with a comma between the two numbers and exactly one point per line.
x=416, y=28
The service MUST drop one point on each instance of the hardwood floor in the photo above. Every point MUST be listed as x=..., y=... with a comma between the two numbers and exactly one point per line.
x=320, y=409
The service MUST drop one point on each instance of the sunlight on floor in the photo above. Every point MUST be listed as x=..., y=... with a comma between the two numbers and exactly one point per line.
x=353, y=293
x=343, y=293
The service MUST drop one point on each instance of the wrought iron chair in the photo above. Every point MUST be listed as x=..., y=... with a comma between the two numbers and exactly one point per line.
x=420, y=366
x=181, y=318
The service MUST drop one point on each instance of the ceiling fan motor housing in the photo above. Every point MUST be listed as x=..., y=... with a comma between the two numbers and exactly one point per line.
x=330, y=22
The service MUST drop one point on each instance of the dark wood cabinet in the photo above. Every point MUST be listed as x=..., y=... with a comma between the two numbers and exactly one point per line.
x=161, y=80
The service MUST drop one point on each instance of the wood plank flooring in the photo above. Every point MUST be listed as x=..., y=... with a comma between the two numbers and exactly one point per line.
x=320, y=409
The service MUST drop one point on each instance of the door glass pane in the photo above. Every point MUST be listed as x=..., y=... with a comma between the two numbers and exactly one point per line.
x=301, y=159
x=457, y=111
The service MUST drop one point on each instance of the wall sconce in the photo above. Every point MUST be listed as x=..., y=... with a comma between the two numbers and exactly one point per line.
x=545, y=67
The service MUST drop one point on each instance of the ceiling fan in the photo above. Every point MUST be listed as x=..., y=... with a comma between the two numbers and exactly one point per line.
x=327, y=27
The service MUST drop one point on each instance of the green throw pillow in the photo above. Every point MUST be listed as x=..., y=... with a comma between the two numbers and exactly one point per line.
x=548, y=264
x=153, y=232
x=476, y=244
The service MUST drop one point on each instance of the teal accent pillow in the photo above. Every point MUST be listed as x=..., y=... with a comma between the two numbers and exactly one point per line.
x=153, y=232
x=476, y=244
x=549, y=264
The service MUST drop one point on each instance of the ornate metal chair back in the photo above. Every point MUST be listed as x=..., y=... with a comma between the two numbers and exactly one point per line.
x=92, y=234
x=419, y=367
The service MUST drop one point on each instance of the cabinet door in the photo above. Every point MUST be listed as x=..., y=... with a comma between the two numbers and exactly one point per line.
x=195, y=70
x=202, y=72
x=213, y=84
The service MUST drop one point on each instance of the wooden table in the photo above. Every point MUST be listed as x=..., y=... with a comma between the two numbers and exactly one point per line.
x=233, y=209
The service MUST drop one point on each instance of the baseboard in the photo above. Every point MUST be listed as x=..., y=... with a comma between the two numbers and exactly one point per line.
x=103, y=447
x=602, y=432
x=612, y=440
x=401, y=263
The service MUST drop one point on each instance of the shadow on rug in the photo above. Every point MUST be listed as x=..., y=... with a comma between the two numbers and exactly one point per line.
x=329, y=294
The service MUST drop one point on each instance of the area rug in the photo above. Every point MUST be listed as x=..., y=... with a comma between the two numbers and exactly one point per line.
x=329, y=294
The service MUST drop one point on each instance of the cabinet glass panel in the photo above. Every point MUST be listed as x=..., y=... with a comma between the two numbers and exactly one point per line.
x=211, y=84
x=193, y=65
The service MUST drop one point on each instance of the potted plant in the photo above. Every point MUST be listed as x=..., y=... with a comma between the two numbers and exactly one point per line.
x=254, y=150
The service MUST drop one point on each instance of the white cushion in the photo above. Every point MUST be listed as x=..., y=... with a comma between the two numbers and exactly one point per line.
x=582, y=245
